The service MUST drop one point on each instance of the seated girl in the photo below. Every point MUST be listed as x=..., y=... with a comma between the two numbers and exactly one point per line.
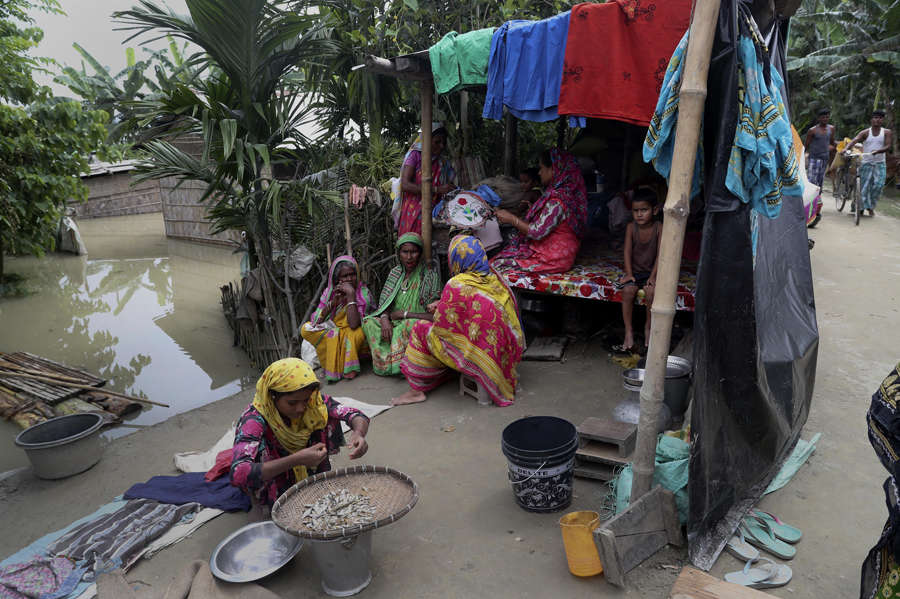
x=335, y=329
x=287, y=433
x=548, y=238
x=475, y=331
x=409, y=288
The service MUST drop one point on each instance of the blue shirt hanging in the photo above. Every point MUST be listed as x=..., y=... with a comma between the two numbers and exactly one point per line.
x=525, y=69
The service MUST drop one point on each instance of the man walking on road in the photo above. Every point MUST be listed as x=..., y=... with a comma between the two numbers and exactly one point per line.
x=819, y=145
x=876, y=141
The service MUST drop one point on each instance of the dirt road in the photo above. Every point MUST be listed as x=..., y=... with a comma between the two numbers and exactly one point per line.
x=467, y=538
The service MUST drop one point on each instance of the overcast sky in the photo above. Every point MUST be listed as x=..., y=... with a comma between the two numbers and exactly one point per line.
x=90, y=24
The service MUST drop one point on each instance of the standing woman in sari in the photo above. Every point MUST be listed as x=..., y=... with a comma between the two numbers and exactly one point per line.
x=442, y=177
x=409, y=288
x=475, y=331
x=335, y=329
x=548, y=238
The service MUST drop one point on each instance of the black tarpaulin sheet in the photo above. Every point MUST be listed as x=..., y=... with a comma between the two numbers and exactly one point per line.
x=755, y=332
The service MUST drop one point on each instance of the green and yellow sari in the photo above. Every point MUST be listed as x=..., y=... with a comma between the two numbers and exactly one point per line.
x=412, y=294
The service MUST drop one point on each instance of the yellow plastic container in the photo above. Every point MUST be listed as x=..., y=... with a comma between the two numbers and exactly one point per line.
x=578, y=539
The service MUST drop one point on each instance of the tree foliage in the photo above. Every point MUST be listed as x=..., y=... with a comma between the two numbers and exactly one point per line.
x=45, y=142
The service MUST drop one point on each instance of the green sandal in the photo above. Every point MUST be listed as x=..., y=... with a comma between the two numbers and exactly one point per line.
x=758, y=533
x=785, y=532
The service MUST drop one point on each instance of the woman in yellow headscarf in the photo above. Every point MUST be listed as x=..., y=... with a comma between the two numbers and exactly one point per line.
x=288, y=432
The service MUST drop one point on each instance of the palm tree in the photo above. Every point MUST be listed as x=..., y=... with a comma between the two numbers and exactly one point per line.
x=247, y=106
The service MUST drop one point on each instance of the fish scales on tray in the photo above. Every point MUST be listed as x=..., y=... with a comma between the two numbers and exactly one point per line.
x=337, y=509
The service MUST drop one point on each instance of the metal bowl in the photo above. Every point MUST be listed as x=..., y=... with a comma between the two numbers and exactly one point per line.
x=634, y=377
x=253, y=552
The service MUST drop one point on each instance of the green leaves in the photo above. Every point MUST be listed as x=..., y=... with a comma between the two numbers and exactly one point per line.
x=229, y=132
x=411, y=4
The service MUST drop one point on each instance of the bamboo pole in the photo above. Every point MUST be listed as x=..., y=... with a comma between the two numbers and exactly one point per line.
x=692, y=99
x=427, y=98
x=12, y=367
x=61, y=383
x=347, y=224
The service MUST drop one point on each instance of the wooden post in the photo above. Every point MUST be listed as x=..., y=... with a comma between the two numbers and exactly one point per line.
x=692, y=99
x=427, y=95
x=511, y=147
x=464, y=121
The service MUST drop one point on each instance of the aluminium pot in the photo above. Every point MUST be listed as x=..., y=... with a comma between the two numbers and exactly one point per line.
x=63, y=446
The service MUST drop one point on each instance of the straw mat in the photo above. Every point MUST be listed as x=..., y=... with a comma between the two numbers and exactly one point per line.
x=392, y=494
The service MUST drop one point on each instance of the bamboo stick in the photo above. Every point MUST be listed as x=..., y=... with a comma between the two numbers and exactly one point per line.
x=15, y=367
x=427, y=95
x=692, y=98
x=347, y=235
x=86, y=387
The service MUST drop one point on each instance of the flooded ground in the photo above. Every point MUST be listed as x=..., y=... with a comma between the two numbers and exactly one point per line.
x=140, y=309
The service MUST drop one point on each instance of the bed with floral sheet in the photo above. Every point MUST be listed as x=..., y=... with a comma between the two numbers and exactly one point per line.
x=594, y=277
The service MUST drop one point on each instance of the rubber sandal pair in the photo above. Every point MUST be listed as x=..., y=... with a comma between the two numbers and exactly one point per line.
x=766, y=532
x=761, y=574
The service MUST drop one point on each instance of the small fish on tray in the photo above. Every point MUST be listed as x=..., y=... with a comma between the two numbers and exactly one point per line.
x=338, y=509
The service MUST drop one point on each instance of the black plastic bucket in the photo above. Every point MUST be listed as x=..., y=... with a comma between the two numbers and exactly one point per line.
x=541, y=455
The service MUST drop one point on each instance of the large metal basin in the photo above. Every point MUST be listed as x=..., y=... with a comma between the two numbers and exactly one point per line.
x=63, y=446
x=253, y=552
x=677, y=383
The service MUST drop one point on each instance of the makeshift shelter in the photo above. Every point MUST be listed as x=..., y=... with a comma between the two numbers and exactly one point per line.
x=756, y=337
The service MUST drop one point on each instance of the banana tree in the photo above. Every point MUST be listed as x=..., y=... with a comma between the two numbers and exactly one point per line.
x=846, y=55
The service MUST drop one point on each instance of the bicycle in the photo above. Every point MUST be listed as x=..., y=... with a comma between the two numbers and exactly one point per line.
x=843, y=184
x=854, y=193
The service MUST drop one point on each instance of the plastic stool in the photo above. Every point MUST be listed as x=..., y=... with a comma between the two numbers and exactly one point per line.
x=469, y=386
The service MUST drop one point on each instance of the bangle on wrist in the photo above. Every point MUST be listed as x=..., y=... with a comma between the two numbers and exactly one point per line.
x=406, y=314
x=350, y=304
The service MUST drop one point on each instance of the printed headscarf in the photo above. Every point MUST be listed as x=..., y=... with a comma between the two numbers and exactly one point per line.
x=466, y=254
x=567, y=186
x=285, y=376
x=362, y=292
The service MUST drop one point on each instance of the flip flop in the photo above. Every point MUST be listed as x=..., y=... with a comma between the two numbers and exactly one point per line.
x=768, y=575
x=785, y=532
x=758, y=533
x=621, y=349
x=741, y=549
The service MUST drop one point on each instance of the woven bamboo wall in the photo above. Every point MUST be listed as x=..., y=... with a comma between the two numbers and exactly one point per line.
x=184, y=216
x=113, y=195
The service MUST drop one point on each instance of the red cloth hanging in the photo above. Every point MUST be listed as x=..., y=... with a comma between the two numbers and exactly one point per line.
x=616, y=57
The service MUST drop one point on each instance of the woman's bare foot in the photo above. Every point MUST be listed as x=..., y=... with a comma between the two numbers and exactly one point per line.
x=350, y=375
x=408, y=397
x=629, y=340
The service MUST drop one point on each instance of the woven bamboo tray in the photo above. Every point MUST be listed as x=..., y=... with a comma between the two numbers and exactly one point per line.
x=392, y=493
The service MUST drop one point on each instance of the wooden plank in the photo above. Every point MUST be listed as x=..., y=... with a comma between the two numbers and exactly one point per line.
x=621, y=434
x=694, y=584
x=605, y=453
x=634, y=535
x=546, y=349
x=594, y=470
x=670, y=518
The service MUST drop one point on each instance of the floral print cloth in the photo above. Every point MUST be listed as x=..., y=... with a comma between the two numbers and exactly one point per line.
x=255, y=443
x=41, y=578
x=595, y=277
x=476, y=329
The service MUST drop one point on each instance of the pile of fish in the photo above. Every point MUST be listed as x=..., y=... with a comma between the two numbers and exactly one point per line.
x=338, y=509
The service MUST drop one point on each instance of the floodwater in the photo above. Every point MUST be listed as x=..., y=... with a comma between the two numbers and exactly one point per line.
x=141, y=310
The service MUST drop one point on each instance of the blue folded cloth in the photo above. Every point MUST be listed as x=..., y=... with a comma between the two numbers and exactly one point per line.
x=192, y=487
x=488, y=195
